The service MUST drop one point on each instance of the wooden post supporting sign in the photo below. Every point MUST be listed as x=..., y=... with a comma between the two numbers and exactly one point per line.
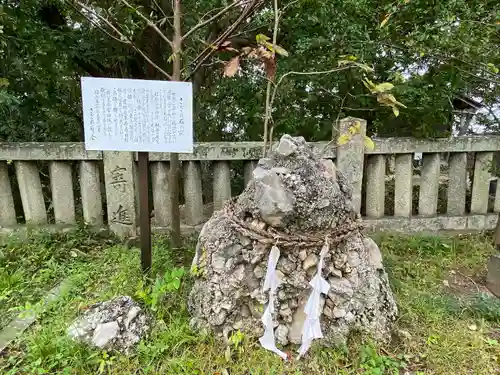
x=125, y=116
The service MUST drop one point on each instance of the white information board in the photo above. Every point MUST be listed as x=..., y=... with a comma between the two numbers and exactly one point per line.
x=137, y=115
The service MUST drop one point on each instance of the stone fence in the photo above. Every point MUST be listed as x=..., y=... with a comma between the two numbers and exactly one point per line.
x=100, y=188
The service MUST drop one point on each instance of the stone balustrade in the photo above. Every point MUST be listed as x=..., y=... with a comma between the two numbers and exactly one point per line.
x=100, y=188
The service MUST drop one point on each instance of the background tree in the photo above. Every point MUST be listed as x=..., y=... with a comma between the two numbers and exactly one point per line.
x=433, y=51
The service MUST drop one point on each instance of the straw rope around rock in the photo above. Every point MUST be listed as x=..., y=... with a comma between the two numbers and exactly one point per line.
x=273, y=236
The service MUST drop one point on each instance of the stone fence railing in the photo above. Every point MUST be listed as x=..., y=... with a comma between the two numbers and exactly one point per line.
x=99, y=188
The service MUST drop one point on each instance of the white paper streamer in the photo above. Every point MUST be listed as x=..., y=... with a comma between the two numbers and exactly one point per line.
x=312, y=326
x=271, y=283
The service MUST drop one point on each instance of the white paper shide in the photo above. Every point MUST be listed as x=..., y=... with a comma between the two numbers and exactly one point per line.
x=271, y=283
x=312, y=326
x=137, y=115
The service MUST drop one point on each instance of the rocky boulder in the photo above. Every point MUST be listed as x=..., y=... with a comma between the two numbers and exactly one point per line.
x=296, y=201
x=118, y=325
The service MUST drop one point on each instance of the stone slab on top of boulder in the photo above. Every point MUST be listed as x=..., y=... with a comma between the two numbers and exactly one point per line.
x=295, y=200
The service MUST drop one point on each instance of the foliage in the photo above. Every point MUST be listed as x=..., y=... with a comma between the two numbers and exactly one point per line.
x=352, y=131
x=486, y=306
x=430, y=51
x=152, y=295
x=374, y=364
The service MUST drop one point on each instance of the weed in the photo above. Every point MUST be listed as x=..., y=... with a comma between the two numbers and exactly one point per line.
x=375, y=364
x=152, y=295
x=437, y=338
x=485, y=306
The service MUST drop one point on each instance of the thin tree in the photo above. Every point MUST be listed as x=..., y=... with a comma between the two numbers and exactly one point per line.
x=175, y=38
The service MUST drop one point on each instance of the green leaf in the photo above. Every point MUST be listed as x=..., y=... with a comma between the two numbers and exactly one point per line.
x=382, y=87
x=343, y=139
x=365, y=67
x=178, y=272
x=384, y=21
x=395, y=110
x=362, y=66
x=176, y=283
x=493, y=68
x=369, y=144
x=275, y=48
x=369, y=84
x=261, y=38
x=355, y=129
x=280, y=51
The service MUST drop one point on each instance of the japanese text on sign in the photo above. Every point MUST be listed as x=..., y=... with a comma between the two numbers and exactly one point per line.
x=137, y=115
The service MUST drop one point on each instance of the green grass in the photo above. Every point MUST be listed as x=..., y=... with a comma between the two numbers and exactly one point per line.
x=29, y=269
x=439, y=331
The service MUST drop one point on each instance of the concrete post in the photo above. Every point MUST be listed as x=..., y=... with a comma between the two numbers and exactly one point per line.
x=457, y=183
x=481, y=184
x=30, y=188
x=61, y=185
x=222, y=184
x=375, y=186
x=350, y=158
x=7, y=209
x=496, y=206
x=120, y=193
x=493, y=277
x=90, y=189
x=193, y=193
x=429, y=184
x=161, y=193
x=403, y=185
x=248, y=168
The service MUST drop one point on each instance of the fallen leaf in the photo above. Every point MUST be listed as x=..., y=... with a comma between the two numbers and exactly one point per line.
x=231, y=67
x=446, y=283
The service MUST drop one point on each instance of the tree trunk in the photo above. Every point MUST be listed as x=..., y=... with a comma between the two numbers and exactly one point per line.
x=174, y=157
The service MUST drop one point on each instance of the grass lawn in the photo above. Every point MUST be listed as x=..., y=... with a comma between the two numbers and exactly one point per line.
x=447, y=324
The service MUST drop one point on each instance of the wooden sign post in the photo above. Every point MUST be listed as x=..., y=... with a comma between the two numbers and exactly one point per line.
x=136, y=116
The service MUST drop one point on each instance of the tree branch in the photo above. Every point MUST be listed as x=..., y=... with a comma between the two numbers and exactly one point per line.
x=476, y=76
x=122, y=37
x=160, y=8
x=268, y=109
x=214, y=17
x=439, y=55
x=207, y=52
x=149, y=23
x=305, y=74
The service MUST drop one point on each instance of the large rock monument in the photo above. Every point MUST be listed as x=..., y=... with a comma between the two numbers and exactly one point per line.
x=296, y=209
